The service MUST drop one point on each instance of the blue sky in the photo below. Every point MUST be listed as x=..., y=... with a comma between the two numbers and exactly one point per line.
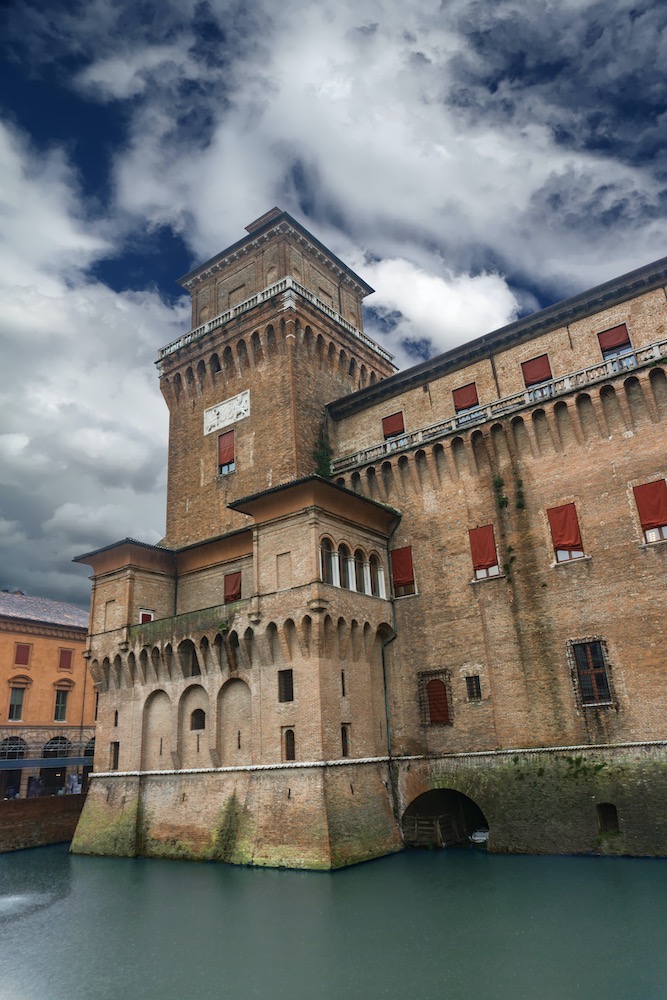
x=473, y=160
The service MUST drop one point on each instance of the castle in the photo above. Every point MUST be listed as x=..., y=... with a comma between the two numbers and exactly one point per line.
x=390, y=607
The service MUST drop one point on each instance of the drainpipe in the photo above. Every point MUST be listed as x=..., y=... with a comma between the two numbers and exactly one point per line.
x=392, y=777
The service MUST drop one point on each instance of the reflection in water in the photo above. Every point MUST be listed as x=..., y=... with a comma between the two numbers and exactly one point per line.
x=454, y=924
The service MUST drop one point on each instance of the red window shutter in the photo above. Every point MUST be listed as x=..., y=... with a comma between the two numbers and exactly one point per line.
x=536, y=370
x=226, y=448
x=232, y=587
x=438, y=708
x=401, y=566
x=145, y=617
x=22, y=655
x=65, y=659
x=565, y=527
x=483, y=547
x=465, y=397
x=616, y=337
x=651, y=500
x=393, y=425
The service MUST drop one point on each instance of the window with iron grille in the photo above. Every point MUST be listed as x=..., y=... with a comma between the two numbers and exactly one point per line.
x=592, y=672
x=285, y=685
x=435, y=698
x=473, y=688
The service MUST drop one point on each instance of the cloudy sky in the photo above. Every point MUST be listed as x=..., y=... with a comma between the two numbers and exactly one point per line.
x=473, y=160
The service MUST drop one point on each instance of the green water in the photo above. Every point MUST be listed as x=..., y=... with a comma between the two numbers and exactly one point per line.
x=419, y=925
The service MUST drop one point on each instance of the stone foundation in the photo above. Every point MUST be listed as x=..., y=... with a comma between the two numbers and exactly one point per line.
x=323, y=817
x=317, y=817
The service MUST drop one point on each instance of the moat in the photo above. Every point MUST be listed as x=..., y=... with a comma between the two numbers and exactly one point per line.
x=427, y=924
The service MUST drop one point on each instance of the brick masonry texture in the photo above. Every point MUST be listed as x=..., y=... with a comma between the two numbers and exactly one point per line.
x=38, y=822
x=190, y=703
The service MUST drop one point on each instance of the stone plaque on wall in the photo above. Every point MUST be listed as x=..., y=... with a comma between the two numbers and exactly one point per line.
x=226, y=413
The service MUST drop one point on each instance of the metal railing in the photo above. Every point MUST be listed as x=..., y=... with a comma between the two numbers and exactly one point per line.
x=284, y=285
x=622, y=365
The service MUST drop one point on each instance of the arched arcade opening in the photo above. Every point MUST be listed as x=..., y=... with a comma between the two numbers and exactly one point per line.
x=443, y=817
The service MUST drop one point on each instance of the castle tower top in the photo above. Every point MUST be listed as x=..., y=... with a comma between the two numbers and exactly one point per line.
x=273, y=230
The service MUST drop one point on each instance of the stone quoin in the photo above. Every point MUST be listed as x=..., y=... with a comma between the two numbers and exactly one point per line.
x=390, y=607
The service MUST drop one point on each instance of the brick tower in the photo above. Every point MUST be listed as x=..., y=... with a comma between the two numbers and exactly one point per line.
x=240, y=663
x=276, y=334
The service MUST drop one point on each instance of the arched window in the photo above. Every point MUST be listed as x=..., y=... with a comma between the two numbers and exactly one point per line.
x=345, y=740
x=290, y=746
x=346, y=569
x=438, y=706
x=377, y=577
x=198, y=719
x=359, y=575
x=326, y=559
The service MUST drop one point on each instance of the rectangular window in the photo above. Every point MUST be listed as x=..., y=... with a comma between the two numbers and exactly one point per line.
x=60, y=714
x=65, y=659
x=114, y=755
x=592, y=673
x=465, y=398
x=285, y=685
x=535, y=372
x=615, y=343
x=651, y=500
x=146, y=616
x=473, y=688
x=226, y=459
x=22, y=654
x=393, y=425
x=565, y=532
x=16, y=704
x=402, y=571
x=232, y=587
x=484, y=553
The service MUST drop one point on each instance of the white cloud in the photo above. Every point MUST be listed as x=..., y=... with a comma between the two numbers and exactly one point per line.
x=446, y=309
x=84, y=424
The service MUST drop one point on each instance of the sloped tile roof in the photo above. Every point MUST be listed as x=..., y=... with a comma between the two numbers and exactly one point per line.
x=41, y=609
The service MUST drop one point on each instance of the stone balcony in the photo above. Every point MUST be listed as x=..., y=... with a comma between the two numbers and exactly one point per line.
x=623, y=365
x=287, y=287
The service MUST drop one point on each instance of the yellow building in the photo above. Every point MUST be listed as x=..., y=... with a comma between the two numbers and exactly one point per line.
x=47, y=700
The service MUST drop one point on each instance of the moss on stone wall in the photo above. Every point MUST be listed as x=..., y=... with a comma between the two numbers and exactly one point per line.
x=108, y=829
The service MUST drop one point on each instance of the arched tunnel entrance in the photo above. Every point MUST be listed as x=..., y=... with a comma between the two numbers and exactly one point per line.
x=443, y=818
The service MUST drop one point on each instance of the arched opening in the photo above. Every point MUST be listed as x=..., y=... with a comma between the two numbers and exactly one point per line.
x=52, y=779
x=326, y=560
x=443, y=817
x=289, y=744
x=157, y=733
x=346, y=567
x=12, y=748
x=234, y=736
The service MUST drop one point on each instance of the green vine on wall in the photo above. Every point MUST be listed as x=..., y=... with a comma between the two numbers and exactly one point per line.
x=322, y=456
